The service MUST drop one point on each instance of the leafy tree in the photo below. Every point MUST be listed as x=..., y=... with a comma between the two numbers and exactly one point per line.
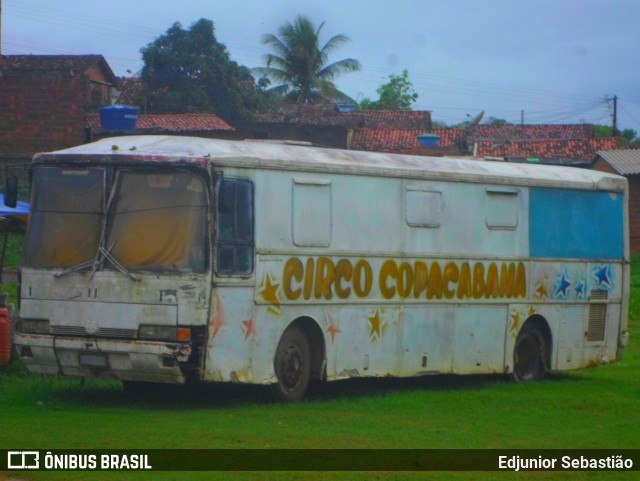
x=300, y=65
x=190, y=71
x=627, y=138
x=497, y=122
x=397, y=94
x=602, y=131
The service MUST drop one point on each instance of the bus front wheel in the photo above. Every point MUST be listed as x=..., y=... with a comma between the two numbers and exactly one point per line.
x=292, y=365
x=529, y=354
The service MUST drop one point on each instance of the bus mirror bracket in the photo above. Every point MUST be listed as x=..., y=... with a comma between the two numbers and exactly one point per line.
x=11, y=191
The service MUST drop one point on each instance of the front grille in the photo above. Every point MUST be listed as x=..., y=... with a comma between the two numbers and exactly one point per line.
x=68, y=331
x=105, y=332
x=120, y=333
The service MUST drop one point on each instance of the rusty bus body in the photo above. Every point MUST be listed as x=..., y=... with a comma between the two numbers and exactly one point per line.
x=169, y=259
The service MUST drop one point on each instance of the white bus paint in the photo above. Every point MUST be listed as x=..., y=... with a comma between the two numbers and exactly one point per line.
x=317, y=263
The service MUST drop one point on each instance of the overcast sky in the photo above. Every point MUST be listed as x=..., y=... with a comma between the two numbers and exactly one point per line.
x=556, y=60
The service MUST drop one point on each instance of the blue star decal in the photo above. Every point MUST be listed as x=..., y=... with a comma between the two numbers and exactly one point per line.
x=603, y=275
x=562, y=284
x=581, y=289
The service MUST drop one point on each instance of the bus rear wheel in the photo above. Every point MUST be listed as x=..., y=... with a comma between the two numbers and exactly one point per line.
x=292, y=365
x=529, y=354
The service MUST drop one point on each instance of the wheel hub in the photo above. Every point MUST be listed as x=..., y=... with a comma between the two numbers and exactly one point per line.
x=291, y=367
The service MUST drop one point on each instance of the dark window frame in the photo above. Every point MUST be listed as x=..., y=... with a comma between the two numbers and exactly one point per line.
x=240, y=233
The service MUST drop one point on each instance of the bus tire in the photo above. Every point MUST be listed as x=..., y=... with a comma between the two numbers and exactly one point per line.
x=529, y=354
x=292, y=365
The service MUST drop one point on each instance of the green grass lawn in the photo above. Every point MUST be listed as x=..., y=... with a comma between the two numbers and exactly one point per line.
x=591, y=408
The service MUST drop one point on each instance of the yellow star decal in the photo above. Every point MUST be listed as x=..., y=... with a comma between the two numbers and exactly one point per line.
x=541, y=291
x=376, y=325
x=269, y=293
x=515, y=326
x=532, y=311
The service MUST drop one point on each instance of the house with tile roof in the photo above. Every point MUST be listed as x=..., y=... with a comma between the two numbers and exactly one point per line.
x=198, y=125
x=550, y=144
x=327, y=125
x=44, y=100
x=405, y=141
x=531, y=132
x=131, y=92
x=625, y=163
x=330, y=114
x=548, y=151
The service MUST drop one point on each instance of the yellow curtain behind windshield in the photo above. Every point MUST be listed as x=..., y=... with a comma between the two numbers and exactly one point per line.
x=158, y=222
x=66, y=217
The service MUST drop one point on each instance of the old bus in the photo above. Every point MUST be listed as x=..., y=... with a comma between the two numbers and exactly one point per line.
x=175, y=259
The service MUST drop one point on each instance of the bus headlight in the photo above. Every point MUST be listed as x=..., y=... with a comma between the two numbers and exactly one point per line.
x=34, y=326
x=164, y=333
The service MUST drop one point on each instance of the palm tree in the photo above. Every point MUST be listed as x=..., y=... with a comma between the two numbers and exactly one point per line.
x=300, y=64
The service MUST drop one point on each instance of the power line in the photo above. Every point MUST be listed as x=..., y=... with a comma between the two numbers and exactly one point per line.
x=562, y=105
x=629, y=115
x=121, y=29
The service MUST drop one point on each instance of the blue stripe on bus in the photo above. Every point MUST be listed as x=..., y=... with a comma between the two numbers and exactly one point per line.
x=576, y=224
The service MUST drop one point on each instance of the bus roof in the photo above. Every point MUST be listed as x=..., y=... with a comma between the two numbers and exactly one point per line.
x=285, y=155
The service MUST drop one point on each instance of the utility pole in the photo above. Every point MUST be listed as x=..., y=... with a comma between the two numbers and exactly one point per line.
x=614, y=130
x=521, y=113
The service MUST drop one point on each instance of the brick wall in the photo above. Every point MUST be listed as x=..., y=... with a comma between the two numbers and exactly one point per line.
x=41, y=111
x=603, y=166
x=634, y=213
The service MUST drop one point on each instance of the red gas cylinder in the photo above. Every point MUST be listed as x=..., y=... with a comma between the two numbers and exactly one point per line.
x=5, y=336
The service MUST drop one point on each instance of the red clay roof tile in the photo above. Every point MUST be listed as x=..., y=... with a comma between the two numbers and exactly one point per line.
x=328, y=114
x=55, y=62
x=548, y=148
x=532, y=132
x=406, y=140
x=173, y=122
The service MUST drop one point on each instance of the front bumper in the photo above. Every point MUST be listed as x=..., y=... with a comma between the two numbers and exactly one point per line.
x=147, y=361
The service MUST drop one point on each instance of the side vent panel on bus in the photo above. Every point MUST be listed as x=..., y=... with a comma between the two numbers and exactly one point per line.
x=597, y=315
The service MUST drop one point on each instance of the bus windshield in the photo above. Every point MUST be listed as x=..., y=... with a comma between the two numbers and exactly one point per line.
x=155, y=221
x=66, y=217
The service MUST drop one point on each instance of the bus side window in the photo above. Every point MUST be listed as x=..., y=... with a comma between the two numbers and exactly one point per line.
x=234, y=227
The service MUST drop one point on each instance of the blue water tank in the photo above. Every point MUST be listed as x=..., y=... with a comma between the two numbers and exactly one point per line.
x=428, y=140
x=119, y=117
x=347, y=108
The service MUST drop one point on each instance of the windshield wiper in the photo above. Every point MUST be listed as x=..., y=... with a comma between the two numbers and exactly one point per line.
x=107, y=255
x=95, y=263
x=76, y=268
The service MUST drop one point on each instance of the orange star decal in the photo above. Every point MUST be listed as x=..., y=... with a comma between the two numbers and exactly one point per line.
x=269, y=294
x=248, y=328
x=332, y=327
x=217, y=321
